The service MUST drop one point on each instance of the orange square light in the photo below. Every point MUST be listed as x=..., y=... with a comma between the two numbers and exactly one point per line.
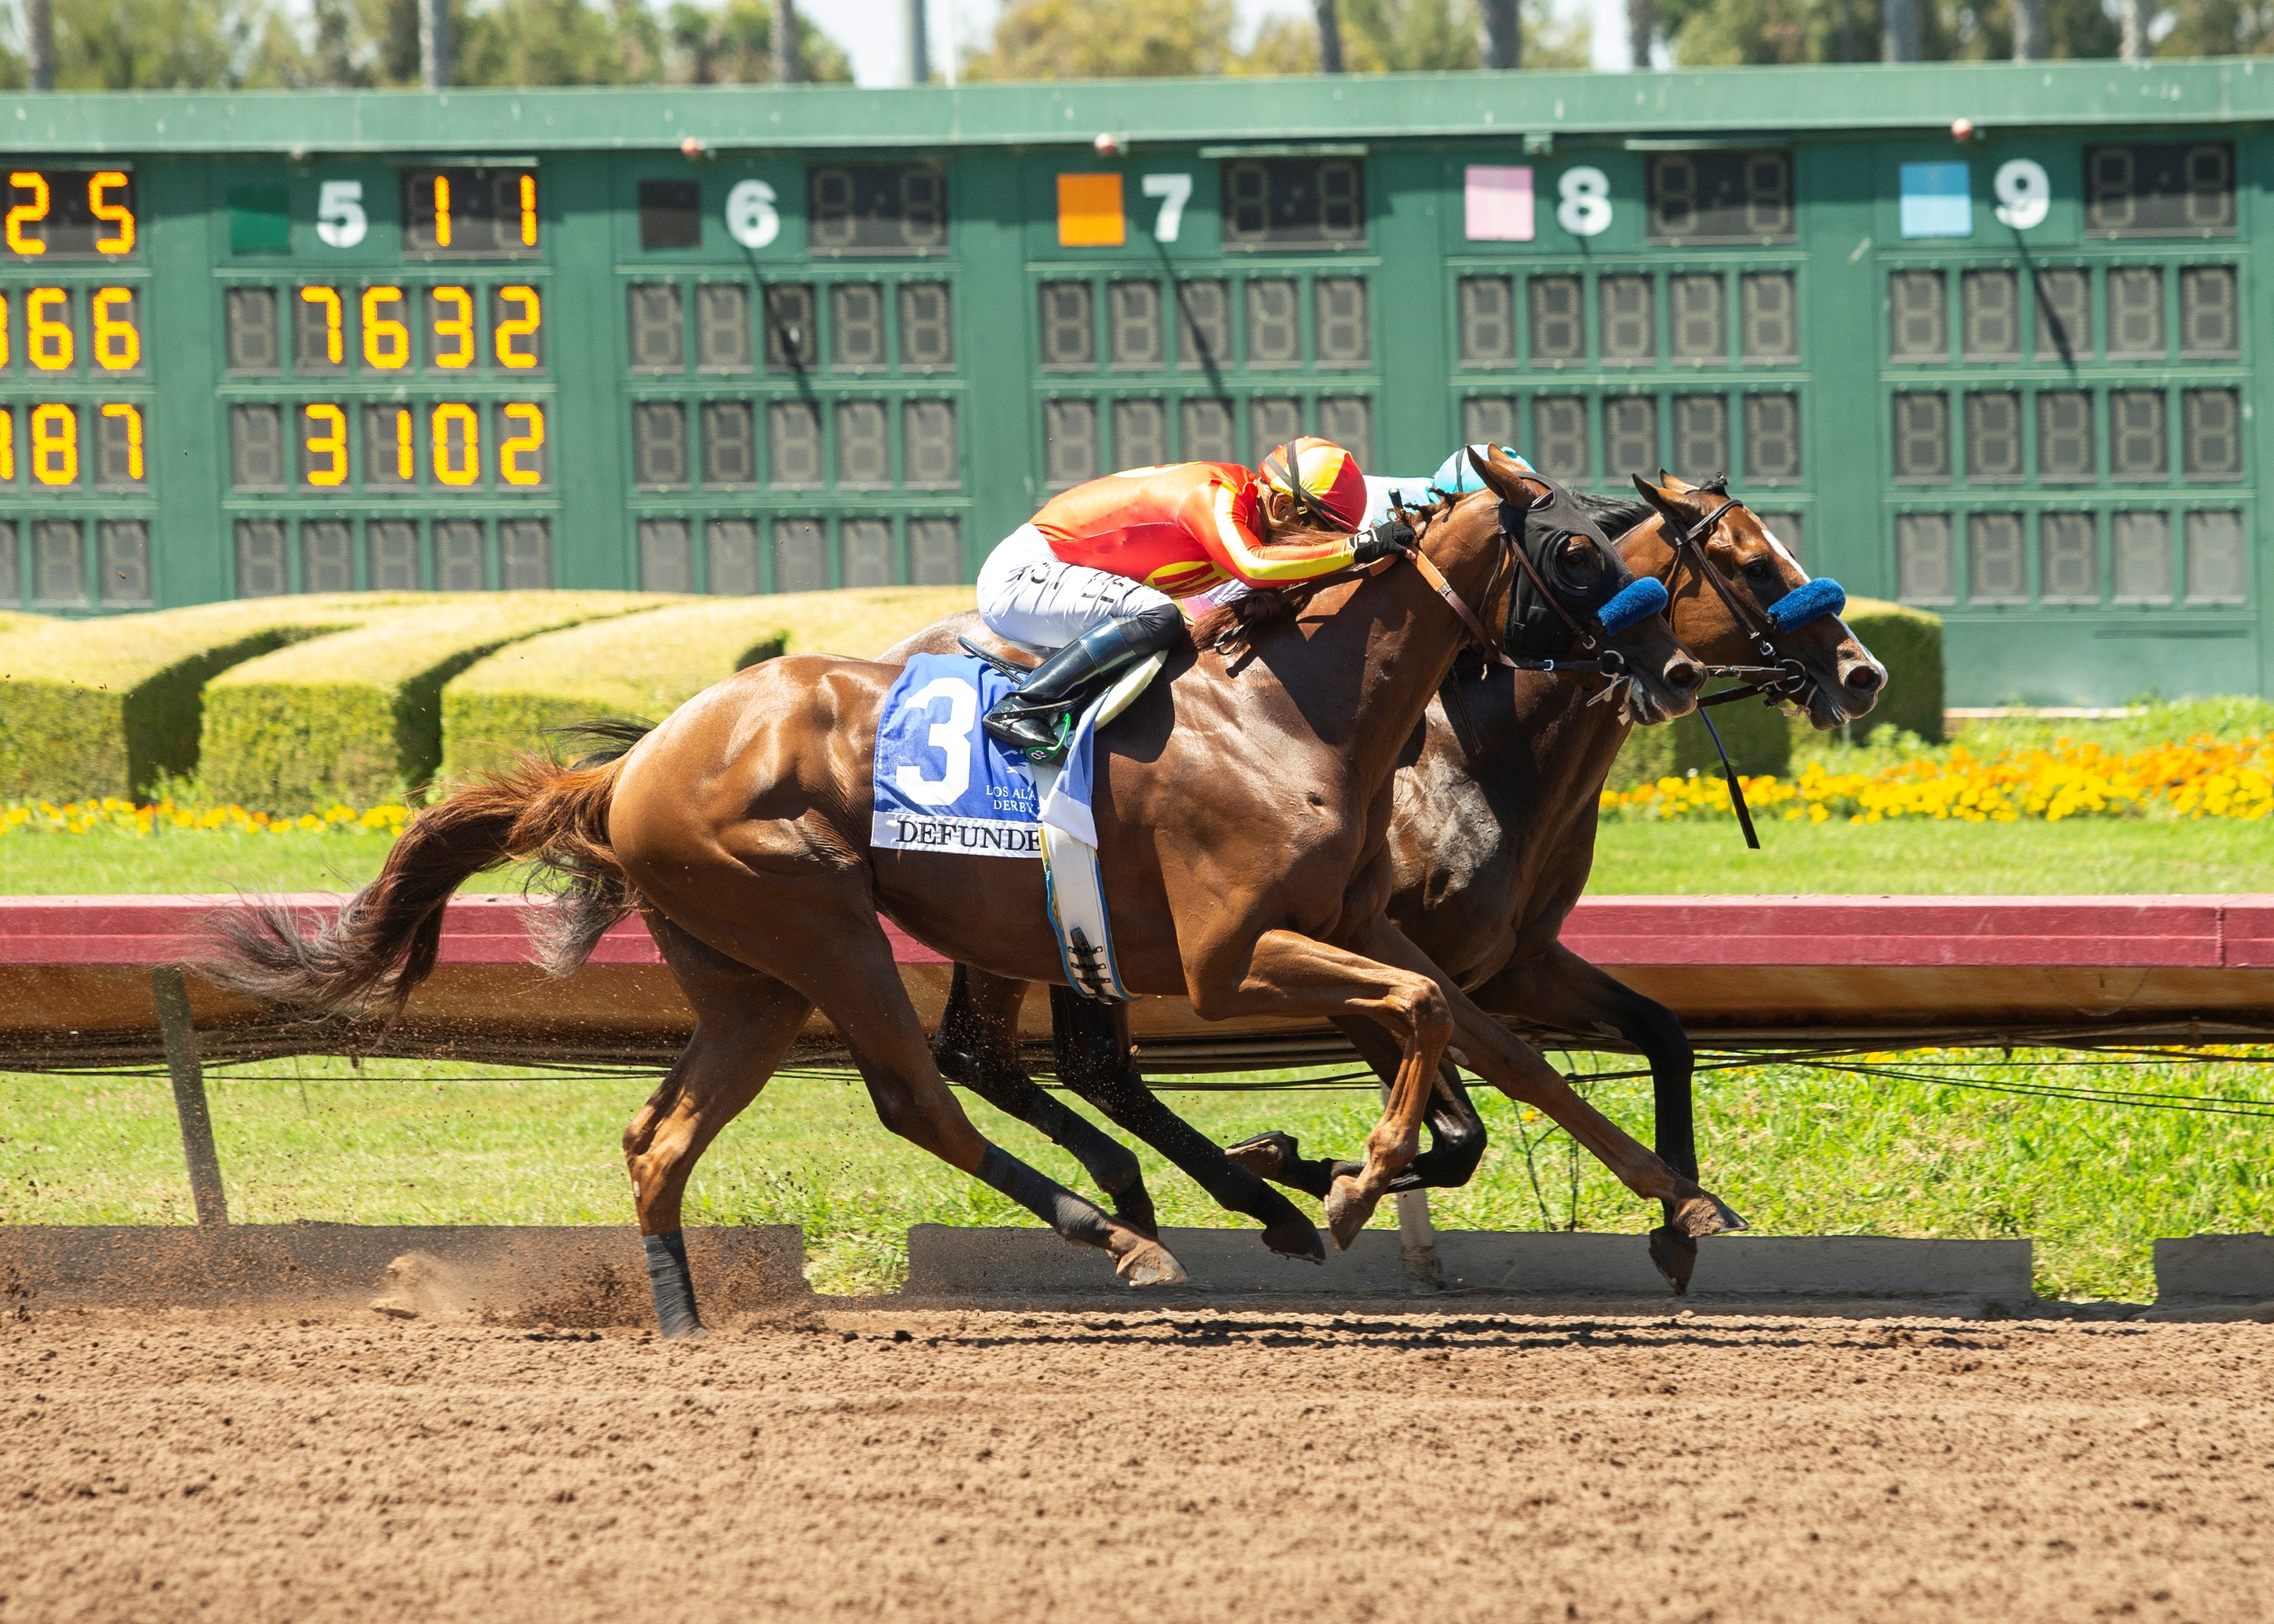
x=1089, y=209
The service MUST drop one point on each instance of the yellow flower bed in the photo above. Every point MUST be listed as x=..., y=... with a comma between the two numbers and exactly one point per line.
x=114, y=815
x=2201, y=777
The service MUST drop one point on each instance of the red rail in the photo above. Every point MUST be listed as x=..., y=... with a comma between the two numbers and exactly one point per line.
x=2234, y=932
x=75, y=978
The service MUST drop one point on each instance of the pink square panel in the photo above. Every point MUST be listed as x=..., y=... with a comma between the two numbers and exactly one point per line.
x=1498, y=204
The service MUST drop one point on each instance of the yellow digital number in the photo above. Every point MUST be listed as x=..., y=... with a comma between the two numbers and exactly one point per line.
x=441, y=211
x=27, y=214
x=528, y=210
x=531, y=418
x=7, y=446
x=133, y=436
x=117, y=343
x=459, y=327
x=117, y=216
x=55, y=445
x=406, y=467
x=523, y=326
x=387, y=342
x=326, y=300
x=332, y=444
x=464, y=473
x=4, y=329
x=48, y=340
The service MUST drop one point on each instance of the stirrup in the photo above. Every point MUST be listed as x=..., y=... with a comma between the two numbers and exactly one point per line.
x=1057, y=752
x=1063, y=725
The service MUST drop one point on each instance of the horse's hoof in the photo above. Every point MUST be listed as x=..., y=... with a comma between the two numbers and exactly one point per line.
x=1144, y=1262
x=1676, y=1256
x=1294, y=1236
x=1266, y=1155
x=1347, y=1210
x=1705, y=1213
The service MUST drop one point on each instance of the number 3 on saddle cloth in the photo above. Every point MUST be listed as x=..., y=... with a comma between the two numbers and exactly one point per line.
x=943, y=785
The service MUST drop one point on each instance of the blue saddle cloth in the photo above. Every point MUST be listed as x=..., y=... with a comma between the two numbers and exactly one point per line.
x=943, y=784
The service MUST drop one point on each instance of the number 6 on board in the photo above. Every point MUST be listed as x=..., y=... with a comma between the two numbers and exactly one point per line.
x=750, y=217
x=340, y=220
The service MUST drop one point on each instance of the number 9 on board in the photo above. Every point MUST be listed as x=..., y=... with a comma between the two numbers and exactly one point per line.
x=2024, y=191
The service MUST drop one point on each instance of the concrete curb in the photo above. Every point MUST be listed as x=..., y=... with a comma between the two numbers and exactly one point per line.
x=587, y=1276
x=945, y=1262
x=2224, y=1275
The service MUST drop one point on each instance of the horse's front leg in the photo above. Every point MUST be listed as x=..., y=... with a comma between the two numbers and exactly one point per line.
x=1286, y=973
x=1517, y=1069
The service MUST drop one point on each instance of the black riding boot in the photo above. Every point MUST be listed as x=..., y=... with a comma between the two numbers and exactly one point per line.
x=1034, y=719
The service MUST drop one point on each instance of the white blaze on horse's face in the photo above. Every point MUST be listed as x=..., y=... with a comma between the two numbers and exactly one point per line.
x=1782, y=551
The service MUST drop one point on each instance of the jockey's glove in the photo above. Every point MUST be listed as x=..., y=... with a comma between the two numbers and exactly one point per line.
x=1388, y=540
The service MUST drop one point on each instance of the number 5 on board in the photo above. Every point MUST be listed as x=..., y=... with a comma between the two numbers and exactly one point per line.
x=340, y=220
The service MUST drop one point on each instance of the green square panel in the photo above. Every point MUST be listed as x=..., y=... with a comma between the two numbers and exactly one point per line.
x=260, y=220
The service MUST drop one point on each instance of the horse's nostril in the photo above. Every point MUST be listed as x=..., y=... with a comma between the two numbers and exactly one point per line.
x=1863, y=679
x=1684, y=678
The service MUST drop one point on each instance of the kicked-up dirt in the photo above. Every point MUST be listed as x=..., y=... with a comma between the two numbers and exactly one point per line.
x=1179, y=1465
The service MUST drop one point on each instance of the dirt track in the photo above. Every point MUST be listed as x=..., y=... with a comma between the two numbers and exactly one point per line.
x=1179, y=1466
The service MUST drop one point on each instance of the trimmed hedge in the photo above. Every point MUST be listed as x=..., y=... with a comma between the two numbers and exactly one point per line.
x=356, y=717
x=97, y=708
x=1909, y=642
x=647, y=666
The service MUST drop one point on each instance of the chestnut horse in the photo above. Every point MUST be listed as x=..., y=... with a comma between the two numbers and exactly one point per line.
x=1242, y=816
x=1491, y=844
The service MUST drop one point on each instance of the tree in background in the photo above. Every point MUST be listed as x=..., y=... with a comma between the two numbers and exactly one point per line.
x=1710, y=33
x=1108, y=38
x=1387, y=36
x=2214, y=28
x=163, y=45
x=255, y=44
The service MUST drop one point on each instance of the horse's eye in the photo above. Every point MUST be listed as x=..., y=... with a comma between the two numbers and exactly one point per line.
x=1762, y=572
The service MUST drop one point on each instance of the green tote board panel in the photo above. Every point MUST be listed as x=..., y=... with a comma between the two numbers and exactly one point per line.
x=753, y=340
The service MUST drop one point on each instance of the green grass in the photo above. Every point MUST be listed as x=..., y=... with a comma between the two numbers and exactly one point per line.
x=2077, y=856
x=177, y=861
x=1797, y=1151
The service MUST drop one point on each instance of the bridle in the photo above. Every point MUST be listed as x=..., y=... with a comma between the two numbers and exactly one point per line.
x=1784, y=679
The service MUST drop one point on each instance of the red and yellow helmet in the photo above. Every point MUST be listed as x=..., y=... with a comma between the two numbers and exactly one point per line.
x=1322, y=477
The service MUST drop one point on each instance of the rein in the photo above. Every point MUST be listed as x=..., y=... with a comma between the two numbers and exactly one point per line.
x=1784, y=677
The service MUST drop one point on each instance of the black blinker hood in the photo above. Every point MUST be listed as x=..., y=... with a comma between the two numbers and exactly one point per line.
x=1534, y=631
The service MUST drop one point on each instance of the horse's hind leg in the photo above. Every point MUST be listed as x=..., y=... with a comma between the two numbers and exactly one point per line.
x=744, y=1022
x=1091, y=1041
x=977, y=1046
x=839, y=957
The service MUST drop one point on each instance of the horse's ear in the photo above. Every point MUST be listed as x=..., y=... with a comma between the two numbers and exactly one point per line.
x=1675, y=482
x=1661, y=499
x=1503, y=479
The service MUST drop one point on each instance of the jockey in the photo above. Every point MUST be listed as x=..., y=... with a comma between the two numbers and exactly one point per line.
x=1454, y=475
x=1095, y=574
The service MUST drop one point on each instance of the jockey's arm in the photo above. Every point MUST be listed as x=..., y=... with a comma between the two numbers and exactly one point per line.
x=1217, y=516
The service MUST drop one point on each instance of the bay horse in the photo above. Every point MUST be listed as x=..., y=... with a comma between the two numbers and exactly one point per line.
x=1491, y=844
x=1242, y=816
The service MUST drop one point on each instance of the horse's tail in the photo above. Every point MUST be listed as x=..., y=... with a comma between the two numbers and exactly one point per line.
x=384, y=942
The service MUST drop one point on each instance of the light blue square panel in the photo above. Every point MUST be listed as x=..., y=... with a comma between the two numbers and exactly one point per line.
x=1938, y=200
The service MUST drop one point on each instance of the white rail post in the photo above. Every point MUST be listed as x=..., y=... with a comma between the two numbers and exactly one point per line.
x=1417, y=1237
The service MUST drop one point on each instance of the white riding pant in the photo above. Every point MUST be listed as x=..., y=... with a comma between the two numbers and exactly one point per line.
x=1030, y=596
